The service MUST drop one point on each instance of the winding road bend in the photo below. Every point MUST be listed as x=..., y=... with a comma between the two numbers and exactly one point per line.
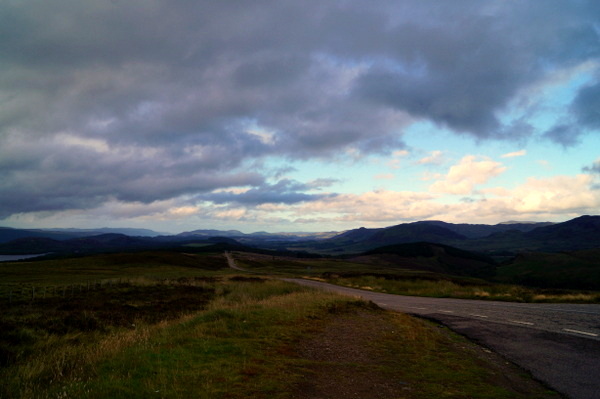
x=231, y=263
x=558, y=343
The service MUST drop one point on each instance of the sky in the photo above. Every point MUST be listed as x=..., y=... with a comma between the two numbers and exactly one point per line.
x=280, y=115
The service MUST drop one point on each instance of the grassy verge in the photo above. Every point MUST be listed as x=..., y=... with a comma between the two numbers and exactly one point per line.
x=382, y=278
x=237, y=339
x=437, y=363
x=401, y=356
x=444, y=288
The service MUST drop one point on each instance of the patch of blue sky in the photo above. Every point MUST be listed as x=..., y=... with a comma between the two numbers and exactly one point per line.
x=352, y=176
x=541, y=159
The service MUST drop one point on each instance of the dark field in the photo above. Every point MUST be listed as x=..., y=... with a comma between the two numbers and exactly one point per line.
x=122, y=305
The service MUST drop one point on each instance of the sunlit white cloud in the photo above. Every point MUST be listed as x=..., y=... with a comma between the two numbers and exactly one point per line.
x=514, y=154
x=400, y=153
x=556, y=198
x=469, y=172
x=435, y=157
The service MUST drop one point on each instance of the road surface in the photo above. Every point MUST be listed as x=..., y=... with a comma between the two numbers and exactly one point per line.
x=558, y=343
x=231, y=262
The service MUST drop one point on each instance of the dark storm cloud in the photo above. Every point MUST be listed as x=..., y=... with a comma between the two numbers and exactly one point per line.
x=146, y=100
x=462, y=72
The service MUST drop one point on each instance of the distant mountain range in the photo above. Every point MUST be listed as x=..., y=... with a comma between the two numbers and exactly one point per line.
x=258, y=236
x=8, y=234
x=500, y=239
x=504, y=239
x=554, y=255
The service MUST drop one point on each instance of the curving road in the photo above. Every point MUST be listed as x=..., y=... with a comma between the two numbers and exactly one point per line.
x=232, y=264
x=558, y=343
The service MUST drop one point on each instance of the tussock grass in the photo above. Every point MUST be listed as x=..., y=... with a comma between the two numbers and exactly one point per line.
x=207, y=353
x=449, y=289
x=382, y=278
x=211, y=336
x=111, y=266
x=242, y=344
x=436, y=363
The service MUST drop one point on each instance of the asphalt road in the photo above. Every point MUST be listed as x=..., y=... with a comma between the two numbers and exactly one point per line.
x=559, y=344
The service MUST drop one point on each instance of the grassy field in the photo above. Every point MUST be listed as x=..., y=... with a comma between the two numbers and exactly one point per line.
x=196, y=330
x=385, y=277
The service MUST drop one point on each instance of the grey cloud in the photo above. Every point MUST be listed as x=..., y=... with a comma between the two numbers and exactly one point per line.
x=566, y=135
x=593, y=168
x=462, y=72
x=318, y=184
x=171, y=88
x=76, y=177
x=285, y=191
x=586, y=106
x=585, y=116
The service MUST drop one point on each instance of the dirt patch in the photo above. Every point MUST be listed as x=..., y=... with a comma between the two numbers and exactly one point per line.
x=349, y=358
x=344, y=363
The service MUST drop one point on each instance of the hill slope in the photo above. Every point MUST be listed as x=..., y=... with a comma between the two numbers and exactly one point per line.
x=507, y=239
x=437, y=258
x=576, y=270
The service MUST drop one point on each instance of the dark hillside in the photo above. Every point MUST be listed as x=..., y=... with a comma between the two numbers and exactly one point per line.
x=8, y=234
x=355, y=235
x=411, y=232
x=32, y=245
x=579, y=233
x=111, y=243
x=483, y=230
x=438, y=258
x=575, y=270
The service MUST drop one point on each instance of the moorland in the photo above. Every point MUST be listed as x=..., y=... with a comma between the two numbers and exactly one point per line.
x=106, y=314
x=175, y=324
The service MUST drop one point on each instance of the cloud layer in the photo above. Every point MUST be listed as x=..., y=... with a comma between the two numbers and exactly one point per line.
x=177, y=102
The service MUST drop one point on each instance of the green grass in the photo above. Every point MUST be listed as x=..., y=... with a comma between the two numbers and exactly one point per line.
x=382, y=276
x=122, y=265
x=226, y=348
x=449, y=289
x=240, y=345
x=207, y=334
x=441, y=363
